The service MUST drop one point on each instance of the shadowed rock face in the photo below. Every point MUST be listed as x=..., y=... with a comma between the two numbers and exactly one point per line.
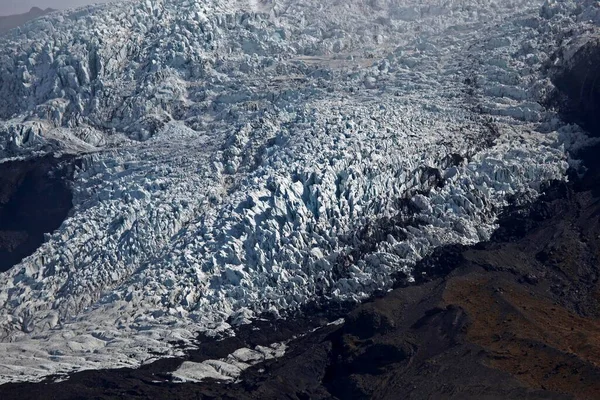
x=34, y=199
x=578, y=98
x=12, y=21
x=579, y=84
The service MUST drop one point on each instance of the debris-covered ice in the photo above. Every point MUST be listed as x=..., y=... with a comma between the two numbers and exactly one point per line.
x=230, y=367
x=240, y=155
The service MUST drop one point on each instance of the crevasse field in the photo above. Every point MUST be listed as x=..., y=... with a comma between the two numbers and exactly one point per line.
x=238, y=155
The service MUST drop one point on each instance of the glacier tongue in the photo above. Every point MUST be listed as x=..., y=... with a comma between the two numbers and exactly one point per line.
x=237, y=154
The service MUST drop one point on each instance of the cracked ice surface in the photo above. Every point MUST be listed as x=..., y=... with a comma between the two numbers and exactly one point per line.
x=234, y=149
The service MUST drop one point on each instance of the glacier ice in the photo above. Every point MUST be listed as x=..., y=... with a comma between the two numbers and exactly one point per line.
x=234, y=150
x=230, y=367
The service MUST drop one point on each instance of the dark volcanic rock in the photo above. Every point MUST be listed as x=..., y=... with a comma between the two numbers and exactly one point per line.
x=35, y=198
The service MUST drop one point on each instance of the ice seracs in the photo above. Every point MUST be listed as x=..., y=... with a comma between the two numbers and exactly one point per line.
x=238, y=155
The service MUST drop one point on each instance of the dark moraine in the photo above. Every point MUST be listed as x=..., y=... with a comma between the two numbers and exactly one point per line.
x=35, y=198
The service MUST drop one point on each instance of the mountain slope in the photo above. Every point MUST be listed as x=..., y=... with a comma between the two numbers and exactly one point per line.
x=9, y=22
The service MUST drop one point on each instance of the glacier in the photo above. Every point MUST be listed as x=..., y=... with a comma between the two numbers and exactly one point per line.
x=237, y=156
